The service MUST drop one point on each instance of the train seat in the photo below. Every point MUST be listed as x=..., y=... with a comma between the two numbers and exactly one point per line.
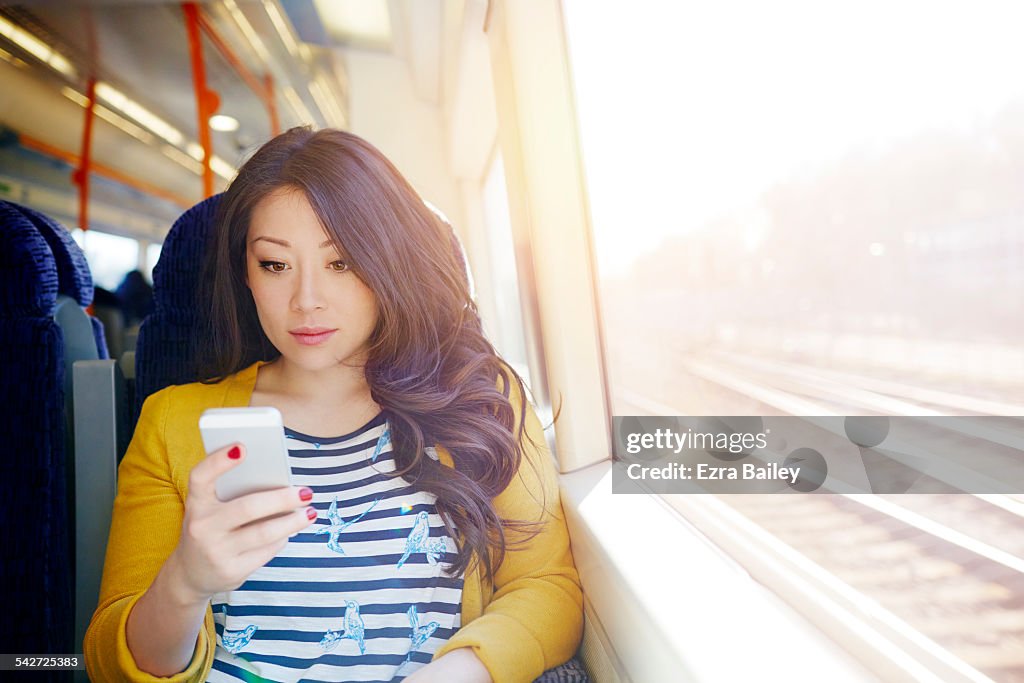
x=84, y=337
x=74, y=278
x=163, y=350
x=83, y=405
x=35, y=570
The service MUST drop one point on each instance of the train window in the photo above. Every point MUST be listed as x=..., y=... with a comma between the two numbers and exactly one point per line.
x=508, y=327
x=813, y=208
x=152, y=256
x=110, y=256
x=815, y=217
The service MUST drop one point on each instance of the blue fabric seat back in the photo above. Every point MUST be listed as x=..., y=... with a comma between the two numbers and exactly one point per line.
x=164, y=352
x=35, y=528
x=73, y=276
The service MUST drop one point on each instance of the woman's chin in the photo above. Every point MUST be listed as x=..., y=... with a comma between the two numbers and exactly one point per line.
x=318, y=359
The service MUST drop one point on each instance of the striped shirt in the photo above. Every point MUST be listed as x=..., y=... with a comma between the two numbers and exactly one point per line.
x=358, y=596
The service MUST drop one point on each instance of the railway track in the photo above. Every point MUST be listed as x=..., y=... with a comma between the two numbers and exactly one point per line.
x=949, y=565
x=967, y=603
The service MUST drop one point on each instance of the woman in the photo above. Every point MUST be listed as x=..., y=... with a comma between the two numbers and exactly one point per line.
x=424, y=538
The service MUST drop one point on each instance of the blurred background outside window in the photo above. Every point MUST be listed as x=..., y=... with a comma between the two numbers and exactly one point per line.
x=806, y=200
x=815, y=208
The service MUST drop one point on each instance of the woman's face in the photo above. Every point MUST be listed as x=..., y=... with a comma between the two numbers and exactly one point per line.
x=312, y=307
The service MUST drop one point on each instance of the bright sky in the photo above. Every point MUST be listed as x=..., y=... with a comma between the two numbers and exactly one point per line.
x=691, y=109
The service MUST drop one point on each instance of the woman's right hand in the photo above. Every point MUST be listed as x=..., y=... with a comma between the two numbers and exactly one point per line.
x=222, y=543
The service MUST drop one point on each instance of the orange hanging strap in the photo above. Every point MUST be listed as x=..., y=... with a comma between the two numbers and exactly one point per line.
x=207, y=101
x=264, y=90
x=80, y=176
x=275, y=125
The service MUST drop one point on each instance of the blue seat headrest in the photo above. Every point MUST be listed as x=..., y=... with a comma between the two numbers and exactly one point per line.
x=176, y=275
x=28, y=276
x=73, y=276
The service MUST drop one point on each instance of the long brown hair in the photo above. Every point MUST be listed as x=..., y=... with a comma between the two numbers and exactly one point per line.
x=438, y=379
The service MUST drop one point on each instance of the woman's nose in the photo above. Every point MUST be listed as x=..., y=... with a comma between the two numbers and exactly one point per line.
x=309, y=292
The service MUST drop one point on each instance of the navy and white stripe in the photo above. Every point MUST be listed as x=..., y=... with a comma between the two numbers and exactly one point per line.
x=366, y=599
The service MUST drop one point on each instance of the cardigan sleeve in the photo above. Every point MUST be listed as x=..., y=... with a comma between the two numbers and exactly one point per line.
x=145, y=528
x=534, y=621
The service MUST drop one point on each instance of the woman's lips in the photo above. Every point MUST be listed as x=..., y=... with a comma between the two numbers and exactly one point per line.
x=307, y=339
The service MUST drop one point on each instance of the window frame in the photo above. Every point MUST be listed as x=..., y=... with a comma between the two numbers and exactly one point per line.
x=537, y=133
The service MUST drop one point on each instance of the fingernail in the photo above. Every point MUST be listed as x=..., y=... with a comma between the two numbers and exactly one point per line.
x=235, y=453
x=306, y=494
x=311, y=513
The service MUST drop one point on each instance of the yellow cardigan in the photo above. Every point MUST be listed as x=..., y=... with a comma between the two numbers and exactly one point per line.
x=530, y=620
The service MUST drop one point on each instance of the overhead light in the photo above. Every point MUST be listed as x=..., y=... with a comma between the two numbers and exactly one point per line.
x=38, y=48
x=254, y=40
x=195, y=150
x=62, y=65
x=191, y=158
x=217, y=165
x=182, y=158
x=108, y=116
x=223, y=122
x=222, y=168
x=134, y=110
x=334, y=99
x=305, y=116
x=326, y=103
x=282, y=28
x=11, y=59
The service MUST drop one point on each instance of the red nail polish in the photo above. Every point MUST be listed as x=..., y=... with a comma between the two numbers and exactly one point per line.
x=235, y=453
x=311, y=513
x=306, y=494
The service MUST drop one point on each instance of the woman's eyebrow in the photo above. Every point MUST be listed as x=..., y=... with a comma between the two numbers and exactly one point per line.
x=286, y=243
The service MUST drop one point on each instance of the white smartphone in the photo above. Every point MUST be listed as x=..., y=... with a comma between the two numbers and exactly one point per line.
x=261, y=430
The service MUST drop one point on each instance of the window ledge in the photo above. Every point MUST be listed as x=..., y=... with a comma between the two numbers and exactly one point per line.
x=673, y=607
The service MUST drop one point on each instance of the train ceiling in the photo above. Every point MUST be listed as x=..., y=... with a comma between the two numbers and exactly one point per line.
x=141, y=50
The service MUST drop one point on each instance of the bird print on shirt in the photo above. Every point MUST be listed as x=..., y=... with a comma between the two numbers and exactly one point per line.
x=353, y=629
x=419, y=634
x=383, y=441
x=234, y=641
x=338, y=525
x=419, y=541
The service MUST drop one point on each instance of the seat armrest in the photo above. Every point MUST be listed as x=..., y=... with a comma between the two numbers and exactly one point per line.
x=100, y=410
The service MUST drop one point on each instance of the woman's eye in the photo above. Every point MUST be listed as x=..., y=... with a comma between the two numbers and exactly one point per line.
x=339, y=266
x=273, y=266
